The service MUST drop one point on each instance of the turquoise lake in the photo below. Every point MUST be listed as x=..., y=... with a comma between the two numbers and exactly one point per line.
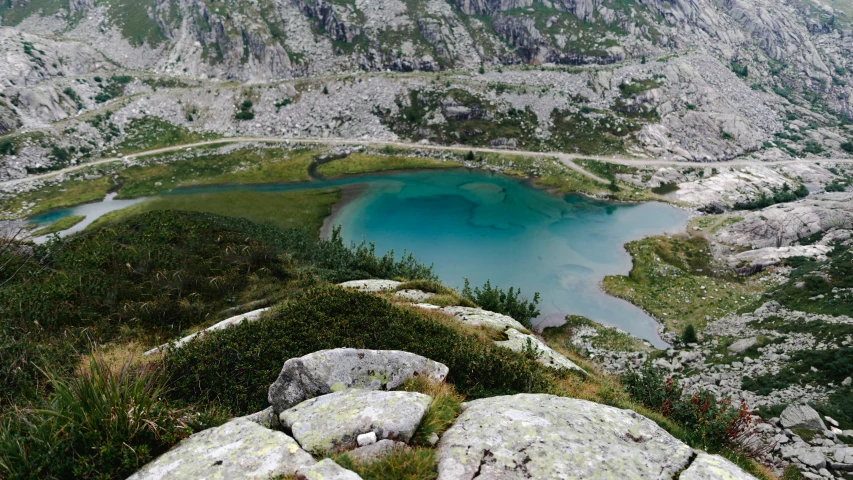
x=484, y=226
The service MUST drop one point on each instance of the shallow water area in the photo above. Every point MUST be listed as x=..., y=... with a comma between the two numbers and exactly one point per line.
x=484, y=226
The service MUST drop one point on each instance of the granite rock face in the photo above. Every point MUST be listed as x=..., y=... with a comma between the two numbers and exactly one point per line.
x=333, y=422
x=544, y=436
x=328, y=371
x=326, y=469
x=240, y=449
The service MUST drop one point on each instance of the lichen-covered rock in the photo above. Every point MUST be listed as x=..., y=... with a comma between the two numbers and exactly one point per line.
x=519, y=342
x=415, y=295
x=326, y=469
x=801, y=416
x=240, y=449
x=479, y=317
x=334, y=421
x=543, y=436
x=371, y=286
x=333, y=370
x=713, y=467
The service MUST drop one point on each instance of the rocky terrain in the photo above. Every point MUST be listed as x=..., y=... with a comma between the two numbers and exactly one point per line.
x=701, y=81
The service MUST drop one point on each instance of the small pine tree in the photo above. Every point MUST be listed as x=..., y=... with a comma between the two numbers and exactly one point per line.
x=325, y=90
x=643, y=61
x=482, y=69
x=689, y=334
x=470, y=155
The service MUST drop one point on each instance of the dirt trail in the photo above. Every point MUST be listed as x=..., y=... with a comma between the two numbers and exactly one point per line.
x=566, y=158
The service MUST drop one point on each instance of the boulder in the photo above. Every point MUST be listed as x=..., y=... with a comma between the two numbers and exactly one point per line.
x=372, y=286
x=333, y=422
x=801, y=416
x=742, y=345
x=765, y=257
x=519, y=342
x=713, y=467
x=326, y=469
x=544, y=436
x=329, y=371
x=479, y=317
x=240, y=449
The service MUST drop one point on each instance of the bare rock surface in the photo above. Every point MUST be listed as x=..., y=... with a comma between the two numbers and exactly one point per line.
x=369, y=453
x=372, y=286
x=544, y=436
x=334, y=421
x=520, y=342
x=479, y=317
x=782, y=224
x=328, y=371
x=240, y=449
x=767, y=256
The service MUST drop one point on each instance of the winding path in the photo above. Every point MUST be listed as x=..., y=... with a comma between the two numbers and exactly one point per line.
x=566, y=158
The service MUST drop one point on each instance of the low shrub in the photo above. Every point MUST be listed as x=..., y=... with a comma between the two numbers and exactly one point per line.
x=105, y=423
x=710, y=423
x=237, y=365
x=507, y=302
x=401, y=464
x=689, y=334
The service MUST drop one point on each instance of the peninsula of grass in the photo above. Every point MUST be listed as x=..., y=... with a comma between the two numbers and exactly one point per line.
x=306, y=209
x=677, y=280
x=241, y=166
x=359, y=163
x=59, y=225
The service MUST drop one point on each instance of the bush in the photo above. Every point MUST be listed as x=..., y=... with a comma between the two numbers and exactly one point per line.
x=244, y=115
x=7, y=148
x=689, y=334
x=847, y=147
x=508, y=303
x=156, y=275
x=237, y=365
x=711, y=424
x=106, y=423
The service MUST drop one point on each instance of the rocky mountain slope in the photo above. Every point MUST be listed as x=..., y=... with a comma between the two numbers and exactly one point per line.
x=701, y=80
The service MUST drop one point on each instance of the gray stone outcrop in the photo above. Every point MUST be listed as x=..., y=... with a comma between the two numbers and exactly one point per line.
x=328, y=371
x=333, y=422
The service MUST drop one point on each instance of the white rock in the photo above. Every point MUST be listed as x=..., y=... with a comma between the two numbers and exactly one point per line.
x=365, y=439
x=326, y=469
x=333, y=370
x=230, y=322
x=372, y=286
x=713, y=467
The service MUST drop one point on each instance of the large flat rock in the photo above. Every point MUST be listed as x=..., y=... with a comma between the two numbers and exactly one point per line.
x=714, y=467
x=547, y=437
x=330, y=371
x=333, y=422
x=519, y=342
x=240, y=449
x=326, y=469
x=479, y=317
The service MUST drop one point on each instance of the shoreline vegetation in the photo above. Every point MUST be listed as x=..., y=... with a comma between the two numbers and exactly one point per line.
x=253, y=164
